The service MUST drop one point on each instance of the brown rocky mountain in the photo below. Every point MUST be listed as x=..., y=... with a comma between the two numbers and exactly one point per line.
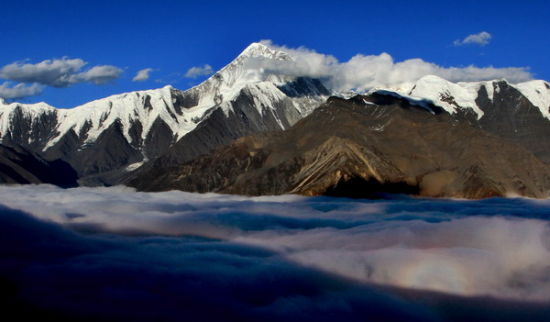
x=364, y=147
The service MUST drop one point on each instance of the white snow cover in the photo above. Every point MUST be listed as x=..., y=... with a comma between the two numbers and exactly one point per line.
x=453, y=96
x=92, y=118
x=127, y=108
x=227, y=83
x=446, y=94
x=244, y=73
x=32, y=112
x=538, y=93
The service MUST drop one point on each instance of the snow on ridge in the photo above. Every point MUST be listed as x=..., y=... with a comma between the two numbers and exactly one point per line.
x=140, y=106
x=32, y=112
x=538, y=93
x=452, y=96
x=258, y=49
x=34, y=107
x=218, y=90
x=89, y=120
x=228, y=82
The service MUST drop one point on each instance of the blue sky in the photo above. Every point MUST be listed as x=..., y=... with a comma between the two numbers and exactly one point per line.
x=173, y=36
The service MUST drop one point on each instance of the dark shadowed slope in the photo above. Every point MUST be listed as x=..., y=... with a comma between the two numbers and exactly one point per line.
x=20, y=166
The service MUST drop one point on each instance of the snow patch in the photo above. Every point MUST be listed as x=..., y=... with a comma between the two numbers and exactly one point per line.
x=449, y=96
x=134, y=166
x=538, y=93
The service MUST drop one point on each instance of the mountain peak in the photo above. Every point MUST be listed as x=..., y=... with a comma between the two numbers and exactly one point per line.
x=262, y=50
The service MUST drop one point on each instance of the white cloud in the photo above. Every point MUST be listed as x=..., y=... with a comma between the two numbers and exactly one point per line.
x=59, y=72
x=98, y=75
x=363, y=72
x=170, y=278
x=142, y=75
x=197, y=71
x=483, y=38
x=19, y=90
x=496, y=247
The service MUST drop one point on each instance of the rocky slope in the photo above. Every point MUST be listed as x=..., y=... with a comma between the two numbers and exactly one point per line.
x=18, y=166
x=517, y=112
x=364, y=147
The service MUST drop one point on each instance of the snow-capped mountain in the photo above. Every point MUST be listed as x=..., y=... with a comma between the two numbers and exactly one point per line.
x=369, y=145
x=365, y=146
x=430, y=138
x=454, y=97
x=127, y=129
x=519, y=113
x=107, y=138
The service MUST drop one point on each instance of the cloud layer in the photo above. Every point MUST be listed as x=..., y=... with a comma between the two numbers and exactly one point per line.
x=481, y=39
x=165, y=256
x=446, y=246
x=48, y=271
x=198, y=71
x=364, y=72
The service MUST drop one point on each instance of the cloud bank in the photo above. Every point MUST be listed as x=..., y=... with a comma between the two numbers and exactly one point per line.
x=165, y=256
x=142, y=75
x=481, y=39
x=48, y=271
x=364, y=72
x=198, y=71
x=446, y=246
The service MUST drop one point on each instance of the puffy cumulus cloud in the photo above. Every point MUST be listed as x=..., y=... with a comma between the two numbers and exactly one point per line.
x=142, y=75
x=59, y=72
x=364, y=72
x=482, y=38
x=198, y=71
x=97, y=75
x=19, y=90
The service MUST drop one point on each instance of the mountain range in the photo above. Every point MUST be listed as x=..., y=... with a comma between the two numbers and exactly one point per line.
x=248, y=131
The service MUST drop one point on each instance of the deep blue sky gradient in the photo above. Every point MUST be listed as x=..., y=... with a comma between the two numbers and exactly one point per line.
x=172, y=36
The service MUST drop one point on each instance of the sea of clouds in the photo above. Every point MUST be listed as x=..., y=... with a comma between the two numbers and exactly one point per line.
x=116, y=252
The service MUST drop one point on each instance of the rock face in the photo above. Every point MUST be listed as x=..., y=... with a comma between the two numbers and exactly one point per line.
x=104, y=139
x=520, y=113
x=18, y=166
x=364, y=147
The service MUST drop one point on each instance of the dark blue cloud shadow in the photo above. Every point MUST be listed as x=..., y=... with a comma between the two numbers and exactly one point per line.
x=50, y=269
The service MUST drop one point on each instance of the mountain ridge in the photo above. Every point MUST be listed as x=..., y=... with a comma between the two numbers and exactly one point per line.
x=166, y=114
x=126, y=136
x=346, y=146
